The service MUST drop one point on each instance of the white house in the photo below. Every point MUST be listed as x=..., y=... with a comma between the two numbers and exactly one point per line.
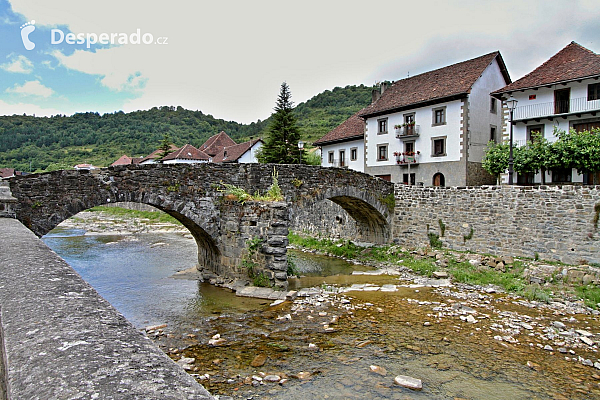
x=344, y=146
x=242, y=153
x=433, y=128
x=188, y=154
x=562, y=93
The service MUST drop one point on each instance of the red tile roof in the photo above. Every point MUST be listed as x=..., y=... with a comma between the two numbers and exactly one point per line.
x=453, y=81
x=233, y=153
x=156, y=154
x=216, y=143
x=7, y=172
x=187, y=152
x=123, y=160
x=571, y=63
x=351, y=129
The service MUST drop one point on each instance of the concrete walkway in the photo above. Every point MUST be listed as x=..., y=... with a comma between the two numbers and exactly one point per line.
x=63, y=341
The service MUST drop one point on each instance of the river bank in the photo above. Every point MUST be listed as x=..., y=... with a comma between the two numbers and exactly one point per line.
x=349, y=334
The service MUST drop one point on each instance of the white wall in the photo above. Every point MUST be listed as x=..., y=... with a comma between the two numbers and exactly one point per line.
x=480, y=117
x=423, y=143
x=357, y=165
x=249, y=157
x=181, y=161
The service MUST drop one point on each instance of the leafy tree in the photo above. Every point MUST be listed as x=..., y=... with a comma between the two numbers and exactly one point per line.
x=495, y=160
x=281, y=146
x=532, y=157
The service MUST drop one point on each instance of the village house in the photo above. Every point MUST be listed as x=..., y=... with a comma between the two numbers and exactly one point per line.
x=188, y=154
x=563, y=93
x=218, y=148
x=242, y=153
x=432, y=129
x=344, y=146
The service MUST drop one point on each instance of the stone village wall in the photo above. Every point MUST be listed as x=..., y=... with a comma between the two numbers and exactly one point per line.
x=558, y=223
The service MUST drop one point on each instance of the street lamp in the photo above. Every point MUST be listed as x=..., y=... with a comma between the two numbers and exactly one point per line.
x=511, y=103
x=300, y=147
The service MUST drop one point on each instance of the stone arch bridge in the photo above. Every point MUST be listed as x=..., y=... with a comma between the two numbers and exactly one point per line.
x=193, y=194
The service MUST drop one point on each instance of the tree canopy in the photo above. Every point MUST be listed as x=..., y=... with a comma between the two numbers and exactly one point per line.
x=572, y=149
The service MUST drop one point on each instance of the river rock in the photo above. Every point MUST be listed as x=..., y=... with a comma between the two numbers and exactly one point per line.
x=378, y=370
x=303, y=375
x=558, y=325
x=272, y=378
x=259, y=361
x=586, y=340
x=408, y=382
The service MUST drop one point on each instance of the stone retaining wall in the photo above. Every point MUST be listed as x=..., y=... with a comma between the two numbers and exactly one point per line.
x=63, y=341
x=556, y=222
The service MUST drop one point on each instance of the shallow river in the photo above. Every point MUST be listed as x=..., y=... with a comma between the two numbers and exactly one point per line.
x=325, y=346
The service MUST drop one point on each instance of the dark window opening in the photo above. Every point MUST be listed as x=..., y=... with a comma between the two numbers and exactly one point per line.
x=562, y=175
x=405, y=178
x=593, y=91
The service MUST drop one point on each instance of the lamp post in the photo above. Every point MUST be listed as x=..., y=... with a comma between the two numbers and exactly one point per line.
x=300, y=147
x=511, y=103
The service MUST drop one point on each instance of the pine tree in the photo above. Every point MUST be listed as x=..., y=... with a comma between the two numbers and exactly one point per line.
x=165, y=146
x=281, y=147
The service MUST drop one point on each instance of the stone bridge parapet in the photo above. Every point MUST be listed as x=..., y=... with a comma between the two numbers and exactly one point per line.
x=193, y=194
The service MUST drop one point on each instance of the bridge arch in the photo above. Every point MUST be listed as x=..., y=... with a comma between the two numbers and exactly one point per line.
x=192, y=193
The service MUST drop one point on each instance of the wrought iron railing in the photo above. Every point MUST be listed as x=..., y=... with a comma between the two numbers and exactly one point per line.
x=580, y=104
x=408, y=130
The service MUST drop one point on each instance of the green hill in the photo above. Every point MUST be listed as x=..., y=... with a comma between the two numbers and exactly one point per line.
x=47, y=143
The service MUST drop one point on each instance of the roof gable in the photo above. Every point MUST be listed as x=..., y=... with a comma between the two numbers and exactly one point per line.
x=572, y=62
x=123, y=160
x=438, y=85
x=352, y=128
x=233, y=153
x=156, y=154
x=187, y=152
x=216, y=143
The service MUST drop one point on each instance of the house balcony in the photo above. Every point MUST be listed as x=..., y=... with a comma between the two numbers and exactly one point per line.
x=408, y=131
x=339, y=163
x=408, y=158
x=556, y=108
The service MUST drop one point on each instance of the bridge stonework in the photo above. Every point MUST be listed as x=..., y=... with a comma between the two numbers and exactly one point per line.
x=193, y=194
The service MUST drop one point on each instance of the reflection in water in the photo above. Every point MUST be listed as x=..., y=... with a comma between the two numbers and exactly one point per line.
x=133, y=274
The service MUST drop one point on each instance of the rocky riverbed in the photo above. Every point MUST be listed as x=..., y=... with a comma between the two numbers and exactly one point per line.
x=386, y=333
x=353, y=341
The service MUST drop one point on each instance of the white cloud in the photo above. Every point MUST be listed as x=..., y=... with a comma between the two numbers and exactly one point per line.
x=31, y=88
x=18, y=64
x=25, y=108
x=229, y=58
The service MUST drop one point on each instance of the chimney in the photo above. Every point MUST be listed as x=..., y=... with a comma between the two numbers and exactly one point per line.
x=375, y=95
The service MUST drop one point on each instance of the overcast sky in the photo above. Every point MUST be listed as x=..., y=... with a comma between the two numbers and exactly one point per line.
x=228, y=58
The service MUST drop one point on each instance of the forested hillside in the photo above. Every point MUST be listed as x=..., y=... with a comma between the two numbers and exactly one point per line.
x=46, y=143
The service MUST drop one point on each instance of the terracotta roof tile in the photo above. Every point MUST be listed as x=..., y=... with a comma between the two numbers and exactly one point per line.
x=216, y=143
x=187, y=152
x=123, y=160
x=156, y=154
x=233, y=153
x=452, y=81
x=7, y=172
x=352, y=128
x=571, y=63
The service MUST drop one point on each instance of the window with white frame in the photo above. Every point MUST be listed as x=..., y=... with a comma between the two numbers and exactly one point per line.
x=330, y=157
x=354, y=154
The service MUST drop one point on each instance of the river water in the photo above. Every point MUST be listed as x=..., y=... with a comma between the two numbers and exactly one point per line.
x=326, y=346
